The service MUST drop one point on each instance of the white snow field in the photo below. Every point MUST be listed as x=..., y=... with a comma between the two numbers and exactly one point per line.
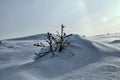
x=87, y=58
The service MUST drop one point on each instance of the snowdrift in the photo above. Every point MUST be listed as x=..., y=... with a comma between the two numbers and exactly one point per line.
x=80, y=57
x=33, y=37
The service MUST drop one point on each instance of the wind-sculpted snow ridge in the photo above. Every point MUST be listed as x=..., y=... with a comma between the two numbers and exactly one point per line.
x=83, y=60
x=116, y=41
x=33, y=37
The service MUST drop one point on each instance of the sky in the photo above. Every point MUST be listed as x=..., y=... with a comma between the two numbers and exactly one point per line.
x=20, y=18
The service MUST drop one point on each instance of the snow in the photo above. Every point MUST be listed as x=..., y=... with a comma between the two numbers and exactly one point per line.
x=87, y=58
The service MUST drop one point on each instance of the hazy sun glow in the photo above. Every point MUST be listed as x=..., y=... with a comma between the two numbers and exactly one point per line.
x=104, y=19
x=118, y=13
x=110, y=22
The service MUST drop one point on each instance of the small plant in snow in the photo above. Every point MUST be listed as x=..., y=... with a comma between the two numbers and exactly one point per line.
x=55, y=44
x=61, y=41
x=46, y=49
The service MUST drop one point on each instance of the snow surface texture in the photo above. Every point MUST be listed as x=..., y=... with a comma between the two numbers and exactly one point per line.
x=93, y=58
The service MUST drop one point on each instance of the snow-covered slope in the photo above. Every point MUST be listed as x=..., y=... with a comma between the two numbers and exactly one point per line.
x=85, y=59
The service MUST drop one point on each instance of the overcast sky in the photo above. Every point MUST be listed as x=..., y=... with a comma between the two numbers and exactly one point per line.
x=85, y=17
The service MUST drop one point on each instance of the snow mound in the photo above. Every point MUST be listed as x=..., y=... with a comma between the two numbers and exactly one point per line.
x=80, y=55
